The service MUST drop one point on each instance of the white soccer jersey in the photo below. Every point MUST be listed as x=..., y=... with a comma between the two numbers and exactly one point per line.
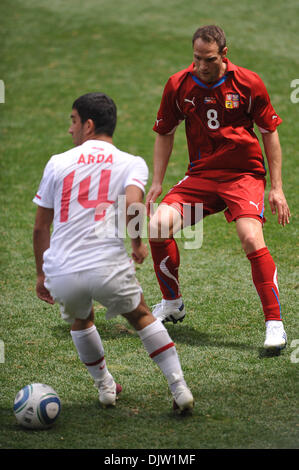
x=84, y=186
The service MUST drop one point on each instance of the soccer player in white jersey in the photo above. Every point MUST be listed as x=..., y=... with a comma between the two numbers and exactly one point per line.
x=83, y=260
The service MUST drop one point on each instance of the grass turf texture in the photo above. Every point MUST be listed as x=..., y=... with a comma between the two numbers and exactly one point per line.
x=53, y=52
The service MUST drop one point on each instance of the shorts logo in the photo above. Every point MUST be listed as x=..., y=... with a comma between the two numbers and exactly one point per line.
x=232, y=100
x=254, y=204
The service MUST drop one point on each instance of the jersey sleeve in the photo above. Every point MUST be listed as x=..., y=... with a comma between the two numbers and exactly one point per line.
x=169, y=115
x=138, y=174
x=45, y=194
x=263, y=112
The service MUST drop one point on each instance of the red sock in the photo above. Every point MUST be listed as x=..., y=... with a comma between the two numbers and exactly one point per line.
x=166, y=260
x=264, y=275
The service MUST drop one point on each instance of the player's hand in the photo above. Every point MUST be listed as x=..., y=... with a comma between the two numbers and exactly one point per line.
x=42, y=292
x=280, y=206
x=140, y=251
x=153, y=194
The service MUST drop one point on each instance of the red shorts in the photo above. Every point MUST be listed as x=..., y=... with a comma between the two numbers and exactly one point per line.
x=241, y=197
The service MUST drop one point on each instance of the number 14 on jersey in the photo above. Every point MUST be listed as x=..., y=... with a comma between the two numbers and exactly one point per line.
x=99, y=204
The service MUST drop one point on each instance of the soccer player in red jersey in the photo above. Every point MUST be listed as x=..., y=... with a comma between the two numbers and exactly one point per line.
x=220, y=103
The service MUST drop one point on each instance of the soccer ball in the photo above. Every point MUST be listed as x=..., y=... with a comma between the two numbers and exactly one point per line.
x=37, y=406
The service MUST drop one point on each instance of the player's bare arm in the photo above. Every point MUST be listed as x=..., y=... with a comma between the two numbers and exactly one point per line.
x=135, y=208
x=277, y=198
x=162, y=151
x=41, y=242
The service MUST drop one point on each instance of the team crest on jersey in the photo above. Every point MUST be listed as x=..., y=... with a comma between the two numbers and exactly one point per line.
x=209, y=100
x=232, y=100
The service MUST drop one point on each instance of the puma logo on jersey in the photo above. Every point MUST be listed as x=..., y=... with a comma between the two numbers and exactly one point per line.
x=190, y=101
x=157, y=121
x=254, y=204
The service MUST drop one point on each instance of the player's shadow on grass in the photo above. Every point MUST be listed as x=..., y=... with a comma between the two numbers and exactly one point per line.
x=191, y=336
x=185, y=334
x=266, y=353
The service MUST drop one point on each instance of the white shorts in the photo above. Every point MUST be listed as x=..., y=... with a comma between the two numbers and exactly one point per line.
x=115, y=286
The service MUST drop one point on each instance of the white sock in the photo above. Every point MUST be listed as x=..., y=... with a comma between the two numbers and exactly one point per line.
x=161, y=349
x=91, y=352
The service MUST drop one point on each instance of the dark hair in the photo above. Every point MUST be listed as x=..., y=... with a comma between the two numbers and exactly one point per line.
x=211, y=33
x=100, y=108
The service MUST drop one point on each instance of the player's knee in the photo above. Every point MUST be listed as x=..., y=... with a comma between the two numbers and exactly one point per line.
x=140, y=317
x=251, y=234
x=83, y=324
x=164, y=223
x=250, y=242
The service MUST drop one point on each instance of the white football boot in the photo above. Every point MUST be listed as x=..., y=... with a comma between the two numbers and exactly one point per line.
x=170, y=310
x=183, y=400
x=108, y=390
x=276, y=337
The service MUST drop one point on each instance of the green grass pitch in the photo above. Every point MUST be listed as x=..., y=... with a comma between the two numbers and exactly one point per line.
x=52, y=52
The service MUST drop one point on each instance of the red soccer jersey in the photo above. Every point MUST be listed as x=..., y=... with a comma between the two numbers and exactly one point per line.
x=219, y=120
